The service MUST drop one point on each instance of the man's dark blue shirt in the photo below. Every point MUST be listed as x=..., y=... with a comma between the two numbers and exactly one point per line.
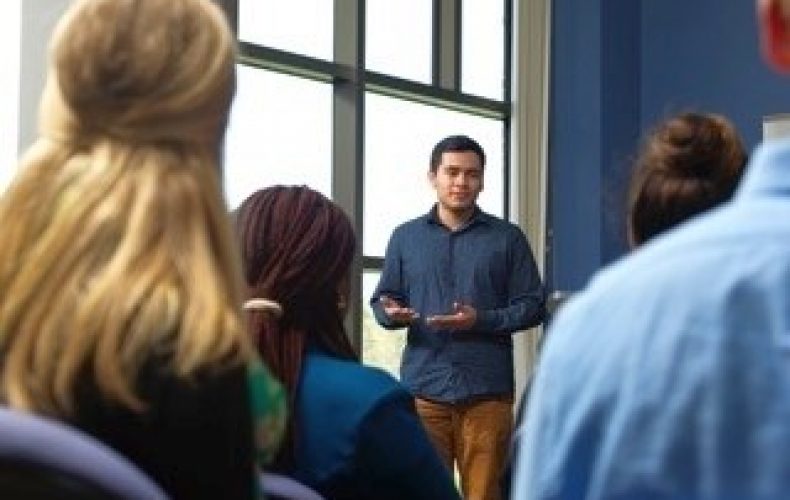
x=487, y=264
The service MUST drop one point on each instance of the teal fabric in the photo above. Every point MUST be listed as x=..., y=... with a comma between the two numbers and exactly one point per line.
x=360, y=437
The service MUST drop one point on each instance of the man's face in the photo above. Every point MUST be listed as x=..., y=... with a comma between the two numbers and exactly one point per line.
x=458, y=180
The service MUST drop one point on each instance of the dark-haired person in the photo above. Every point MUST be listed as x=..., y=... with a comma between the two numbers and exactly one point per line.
x=687, y=165
x=668, y=377
x=463, y=282
x=353, y=431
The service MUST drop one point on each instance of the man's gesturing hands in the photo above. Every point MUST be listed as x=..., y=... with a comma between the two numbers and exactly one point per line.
x=396, y=312
x=463, y=316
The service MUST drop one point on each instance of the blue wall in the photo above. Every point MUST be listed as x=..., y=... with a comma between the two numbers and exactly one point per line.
x=594, y=118
x=618, y=66
x=574, y=143
x=705, y=56
x=620, y=121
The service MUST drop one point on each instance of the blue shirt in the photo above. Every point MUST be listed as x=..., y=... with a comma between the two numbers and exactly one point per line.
x=669, y=377
x=486, y=264
x=359, y=435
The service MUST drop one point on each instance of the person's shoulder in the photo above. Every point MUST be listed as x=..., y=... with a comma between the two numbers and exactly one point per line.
x=503, y=228
x=498, y=222
x=683, y=296
x=680, y=278
x=350, y=368
x=348, y=379
x=412, y=224
x=703, y=247
x=335, y=399
x=410, y=229
x=157, y=378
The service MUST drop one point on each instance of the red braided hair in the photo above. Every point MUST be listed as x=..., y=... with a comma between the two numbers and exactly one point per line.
x=297, y=247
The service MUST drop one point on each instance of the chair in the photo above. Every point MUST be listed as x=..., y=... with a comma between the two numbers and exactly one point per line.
x=42, y=459
x=276, y=486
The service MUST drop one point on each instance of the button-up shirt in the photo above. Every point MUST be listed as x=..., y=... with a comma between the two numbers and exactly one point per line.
x=669, y=376
x=487, y=264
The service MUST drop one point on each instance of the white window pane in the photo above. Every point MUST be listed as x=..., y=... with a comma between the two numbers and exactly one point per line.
x=380, y=347
x=482, y=46
x=300, y=26
x=9, y=90
x=399, y=137
x=399, y=38
x=279, y=133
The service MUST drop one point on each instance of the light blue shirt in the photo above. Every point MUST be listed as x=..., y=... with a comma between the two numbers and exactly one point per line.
x=669, y=376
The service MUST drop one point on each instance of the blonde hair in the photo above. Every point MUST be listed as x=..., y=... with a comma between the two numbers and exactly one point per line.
x=116, y=245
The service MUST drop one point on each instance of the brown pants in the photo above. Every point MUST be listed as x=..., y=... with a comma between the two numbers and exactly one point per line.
x=476, y=435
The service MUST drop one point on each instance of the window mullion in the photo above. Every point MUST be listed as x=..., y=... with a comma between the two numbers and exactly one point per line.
x=347, y=138
x=446, y=53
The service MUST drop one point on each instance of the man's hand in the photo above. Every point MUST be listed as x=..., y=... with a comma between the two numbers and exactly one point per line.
x=462, y=318
x=396, y=312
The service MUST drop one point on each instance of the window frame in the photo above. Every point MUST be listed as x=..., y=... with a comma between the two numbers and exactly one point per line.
x=350, y=81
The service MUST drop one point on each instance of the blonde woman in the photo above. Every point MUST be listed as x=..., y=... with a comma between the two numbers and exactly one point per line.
x=119, y=282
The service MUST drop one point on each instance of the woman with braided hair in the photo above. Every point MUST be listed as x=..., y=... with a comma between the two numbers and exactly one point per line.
x=119, y=276
x=353, y=431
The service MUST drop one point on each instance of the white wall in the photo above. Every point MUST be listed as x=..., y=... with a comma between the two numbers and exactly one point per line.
x=9, y=88
x=25, y=28
x=776, y=126
x=38, y=20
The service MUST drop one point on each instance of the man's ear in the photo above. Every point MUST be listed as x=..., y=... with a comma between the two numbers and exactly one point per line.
x=775, y=33
x=432, y=178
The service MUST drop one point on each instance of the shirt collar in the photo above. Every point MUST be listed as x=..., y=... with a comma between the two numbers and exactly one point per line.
x=768, y=172
x=478, y=216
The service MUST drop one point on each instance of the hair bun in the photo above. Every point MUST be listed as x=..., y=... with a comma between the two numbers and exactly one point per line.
x=688, y=164
x=137, y=75
x=696, y=146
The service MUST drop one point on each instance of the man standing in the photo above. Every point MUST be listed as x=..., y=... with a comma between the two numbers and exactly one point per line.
x=462, y=281
x=669, y=376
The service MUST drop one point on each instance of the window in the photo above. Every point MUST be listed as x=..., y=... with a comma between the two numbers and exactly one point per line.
x=399, y=38
x=380, y=347
x=300, y=26
x=483, y=48
x=311, y=109
x=280, y=132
